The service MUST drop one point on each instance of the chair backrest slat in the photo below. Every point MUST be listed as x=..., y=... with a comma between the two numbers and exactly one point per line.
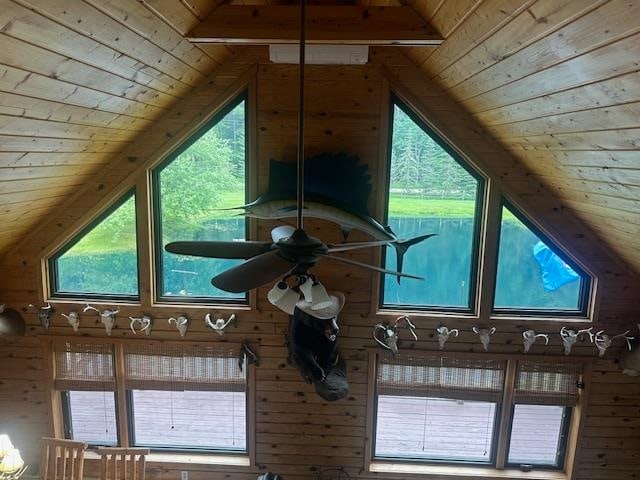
x=122, y=463
x=61, y=459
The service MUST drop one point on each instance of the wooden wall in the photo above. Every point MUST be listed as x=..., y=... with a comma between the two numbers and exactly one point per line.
x=298, y=433
x=556, y=82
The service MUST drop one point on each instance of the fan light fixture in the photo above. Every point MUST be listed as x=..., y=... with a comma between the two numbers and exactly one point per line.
x=11, y=464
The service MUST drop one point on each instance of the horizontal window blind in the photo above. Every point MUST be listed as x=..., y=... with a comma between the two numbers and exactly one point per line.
x=83, y=366
x=547, y=383
x=159, y=366
x=440, y=376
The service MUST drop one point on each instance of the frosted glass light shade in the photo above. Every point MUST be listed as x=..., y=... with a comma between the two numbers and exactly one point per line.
x=12, y=462
x=5, y=445
x=321, y=298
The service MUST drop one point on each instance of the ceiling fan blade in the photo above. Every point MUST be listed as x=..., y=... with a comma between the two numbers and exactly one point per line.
x=281, y=232
x=371, y=267
x=344, y=247
x=253, y=273
x=219, y=249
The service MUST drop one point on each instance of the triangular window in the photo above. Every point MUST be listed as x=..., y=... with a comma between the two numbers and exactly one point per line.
x=102, y=260
x=431, y=190
x=206, y=175
x=534, y=275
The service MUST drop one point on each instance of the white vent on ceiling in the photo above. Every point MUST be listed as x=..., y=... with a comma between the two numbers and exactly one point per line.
x=321, y=54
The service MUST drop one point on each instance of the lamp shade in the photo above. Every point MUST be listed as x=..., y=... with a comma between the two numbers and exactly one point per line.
x=11, y=322
x=5, y=444
x=12, y=462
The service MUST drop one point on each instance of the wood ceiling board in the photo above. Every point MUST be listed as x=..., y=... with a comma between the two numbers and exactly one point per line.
x=466, y=55
x=93, y=23
x=31, y=27
x=578, y=42
x=29, y=159
x=356, y=25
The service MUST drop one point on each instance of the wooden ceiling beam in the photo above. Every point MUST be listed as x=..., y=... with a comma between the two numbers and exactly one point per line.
x=351, y=24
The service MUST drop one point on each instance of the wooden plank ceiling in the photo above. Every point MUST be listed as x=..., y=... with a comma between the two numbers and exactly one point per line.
x=557, y=82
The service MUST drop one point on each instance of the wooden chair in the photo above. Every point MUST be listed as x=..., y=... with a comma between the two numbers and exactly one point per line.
x=62, y=459
x=122, y=463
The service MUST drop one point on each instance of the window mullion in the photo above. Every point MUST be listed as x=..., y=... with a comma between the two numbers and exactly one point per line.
x=506, y=414
x=123, y=414
x=489, y=251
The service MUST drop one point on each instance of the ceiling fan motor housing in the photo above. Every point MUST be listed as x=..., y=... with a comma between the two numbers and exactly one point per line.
x=301, y=248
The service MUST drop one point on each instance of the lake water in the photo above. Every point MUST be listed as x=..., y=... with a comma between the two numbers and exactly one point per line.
x=444, y=261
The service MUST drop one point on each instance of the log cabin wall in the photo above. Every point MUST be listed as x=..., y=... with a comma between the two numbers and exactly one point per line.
x=296, y=432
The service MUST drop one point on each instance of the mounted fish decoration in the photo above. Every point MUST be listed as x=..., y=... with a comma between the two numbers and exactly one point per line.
x=220, y=324
x=444, y=333
x=145, y=323
x=181, y=323
x=529, y=337
x=74, y=320
x=341, y=198
x=570, y=337
x=44, y=315
x=485, y=336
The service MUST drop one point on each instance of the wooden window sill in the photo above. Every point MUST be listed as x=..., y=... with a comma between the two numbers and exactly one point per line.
x=462, y=472
x=187, y=459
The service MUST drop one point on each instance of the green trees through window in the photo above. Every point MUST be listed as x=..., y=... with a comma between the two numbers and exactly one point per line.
x=192, y=189
x=102, y=260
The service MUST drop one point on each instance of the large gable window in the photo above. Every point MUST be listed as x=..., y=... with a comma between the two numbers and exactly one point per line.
x=431, y=190
x=192, y=188
x=534, y=276
x=102, y=260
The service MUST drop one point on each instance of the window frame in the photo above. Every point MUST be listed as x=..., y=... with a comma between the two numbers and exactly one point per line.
x=156, y=209
x=478, y=218
x=124, y=414
x=503, y=424
x=586, y=287
x=52, y=266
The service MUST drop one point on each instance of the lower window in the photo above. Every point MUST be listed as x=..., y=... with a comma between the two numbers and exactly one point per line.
x=439, y=408
x=90, y=417
x=189, y=420
x=435, y=429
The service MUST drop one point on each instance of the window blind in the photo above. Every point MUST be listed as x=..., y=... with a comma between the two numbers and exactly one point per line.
x=440, y=376
x=160, y=366
x=547, y=383
x=83, y=366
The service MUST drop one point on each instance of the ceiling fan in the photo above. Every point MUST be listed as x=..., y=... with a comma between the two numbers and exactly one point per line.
x=291, y=250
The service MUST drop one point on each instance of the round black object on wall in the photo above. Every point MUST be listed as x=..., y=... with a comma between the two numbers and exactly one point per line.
x=11, y=322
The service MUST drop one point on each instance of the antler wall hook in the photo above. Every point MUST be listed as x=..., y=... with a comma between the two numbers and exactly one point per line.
x=485, y=336
x=74, y=320
x=444, y=333
x=604, y=341
x=220, y=324
x=570, y=337
x=107, y=317
x=181, y=323
x=529, y=337
x=44, y=314
x=145, y=323
x=387, y=335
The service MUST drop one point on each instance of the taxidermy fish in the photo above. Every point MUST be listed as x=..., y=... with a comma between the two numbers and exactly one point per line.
x=337, y=189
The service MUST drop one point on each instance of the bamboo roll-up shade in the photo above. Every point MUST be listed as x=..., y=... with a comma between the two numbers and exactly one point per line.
x=84, y=366
x=440, y=376
x=547, y=383
x=157, y=366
